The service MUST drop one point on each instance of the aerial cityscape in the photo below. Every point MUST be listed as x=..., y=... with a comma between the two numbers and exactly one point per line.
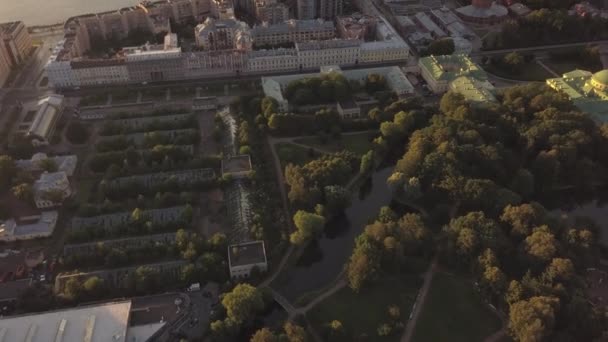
x=304, y=171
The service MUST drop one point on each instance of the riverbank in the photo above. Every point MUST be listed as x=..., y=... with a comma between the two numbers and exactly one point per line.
x=36, y=13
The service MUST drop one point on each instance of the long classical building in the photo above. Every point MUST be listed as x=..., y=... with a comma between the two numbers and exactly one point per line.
x=226, y=49
x=440, y=71
x=588, y=91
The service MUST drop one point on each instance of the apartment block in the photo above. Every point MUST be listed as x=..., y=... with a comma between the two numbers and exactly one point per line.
x=293, y=31
x=271, y=11
x=16, y=42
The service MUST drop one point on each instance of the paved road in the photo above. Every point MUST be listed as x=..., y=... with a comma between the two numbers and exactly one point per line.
x=411, y=324
x=537, y=48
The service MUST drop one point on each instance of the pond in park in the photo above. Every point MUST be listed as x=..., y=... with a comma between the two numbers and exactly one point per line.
x=324, y=258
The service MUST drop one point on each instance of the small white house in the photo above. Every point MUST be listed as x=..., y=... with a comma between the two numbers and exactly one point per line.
x=348, y=109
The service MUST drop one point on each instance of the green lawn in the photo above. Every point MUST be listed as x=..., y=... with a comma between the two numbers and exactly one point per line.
x=454, y=312
x=124, y=97
x=529, y=72
x=84, y=189
x=362, y=313
x=357, y=143
x=294, y=154
x=564, y=66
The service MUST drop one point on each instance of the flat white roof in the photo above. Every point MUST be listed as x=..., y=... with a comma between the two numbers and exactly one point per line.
x=45, y=225
x=96, y=323
x=142, y=333
x=45, y=119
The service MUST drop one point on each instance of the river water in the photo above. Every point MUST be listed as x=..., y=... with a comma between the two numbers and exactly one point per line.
x=324, y=259
x=45, y=12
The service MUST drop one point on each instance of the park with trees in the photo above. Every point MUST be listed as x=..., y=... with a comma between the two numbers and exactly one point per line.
x=546, y=26
x=480, y=176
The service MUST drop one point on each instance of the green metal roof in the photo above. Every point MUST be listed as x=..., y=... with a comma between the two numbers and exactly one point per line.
x=576, y=84
x=601, y=77
x=450, y=67
x=473, y=90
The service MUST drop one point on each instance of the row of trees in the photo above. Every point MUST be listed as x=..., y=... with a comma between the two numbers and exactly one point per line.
x=589, y=57
x=120, y=203
x=206, y=259
x=267, y=223
x=548, y=26
x=133, y=161
x=138, y=224
x=150, y=140
x=118, y=128
x=160, y=155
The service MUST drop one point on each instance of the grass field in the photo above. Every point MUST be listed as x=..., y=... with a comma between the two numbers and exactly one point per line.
x=94, y=100
x=453, y=311
x=124, y=97
x=362, y=313
x=294, y=154
x=84, y=189
x=357, y=143
x=530, y=72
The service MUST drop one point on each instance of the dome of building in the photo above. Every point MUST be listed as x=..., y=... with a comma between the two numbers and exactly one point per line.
x=600, y=80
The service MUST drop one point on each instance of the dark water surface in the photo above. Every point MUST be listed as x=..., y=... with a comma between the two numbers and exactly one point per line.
x=324, y=258
x=45, y=12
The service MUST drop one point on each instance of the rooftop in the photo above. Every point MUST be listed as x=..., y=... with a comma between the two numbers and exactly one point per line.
x=95, y=323
x=49, y=109
x=483, y=12
x=66, y=164
x=586, y=90
x=601, y=77
x=328, y=44
x=236, y=164
x=51, y=180
x=449, y=67
x=429, y=25
x=293, y=25
x=473, y=90
x=10, y=27
x=45, y=225
x=247, y=253
x=348, y=104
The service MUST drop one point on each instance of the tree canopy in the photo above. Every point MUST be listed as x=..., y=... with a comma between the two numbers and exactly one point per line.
x=242, y=303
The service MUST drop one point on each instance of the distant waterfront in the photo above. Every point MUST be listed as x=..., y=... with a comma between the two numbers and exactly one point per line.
x=46, y=12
